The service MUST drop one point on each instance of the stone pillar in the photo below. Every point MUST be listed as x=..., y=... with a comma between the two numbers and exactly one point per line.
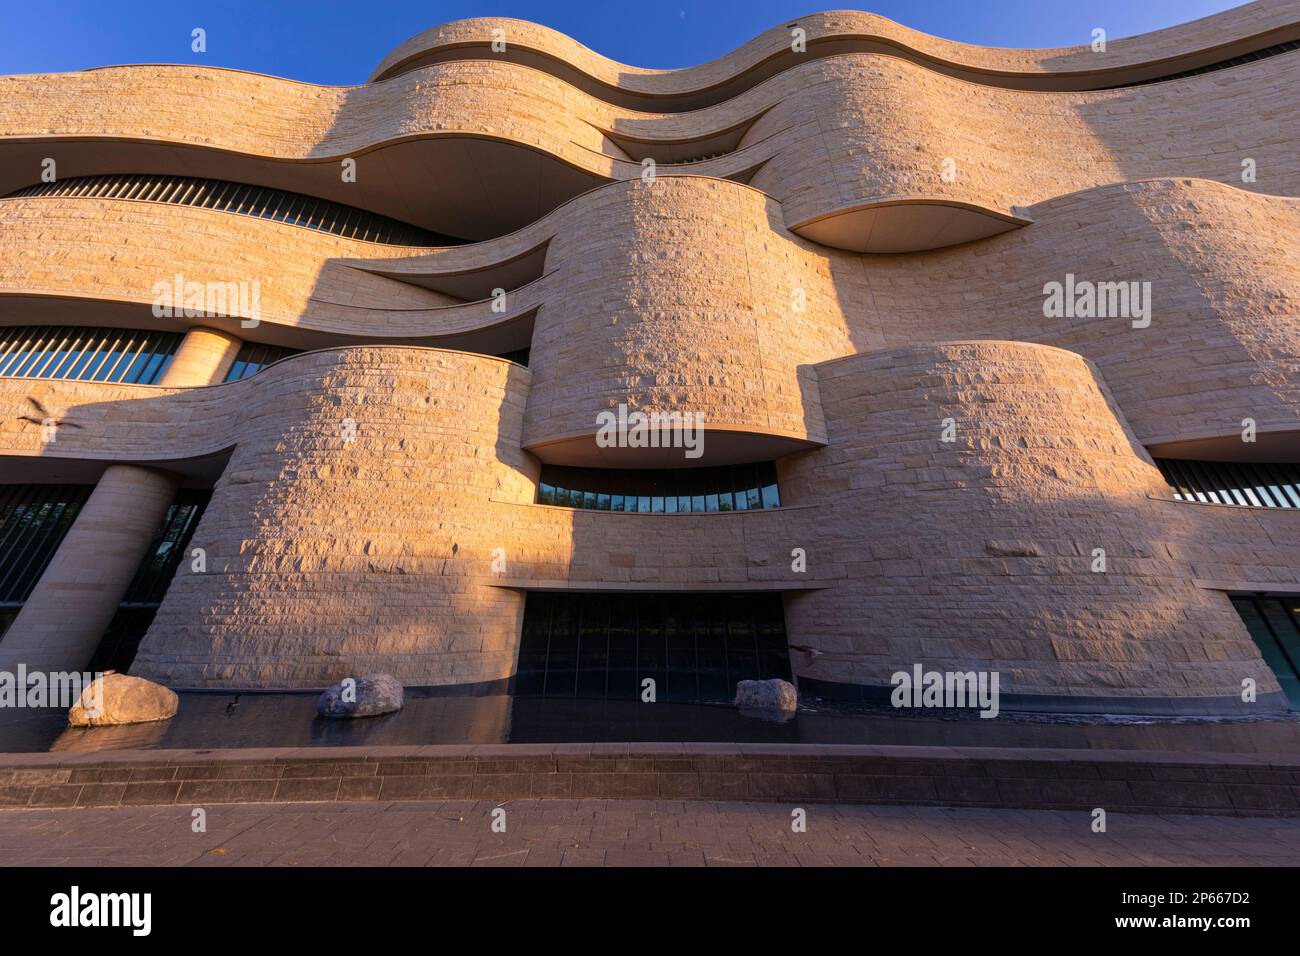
x=61, y=624
x=204, y=358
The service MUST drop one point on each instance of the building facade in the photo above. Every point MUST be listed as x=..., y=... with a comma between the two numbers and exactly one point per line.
x=994, y=357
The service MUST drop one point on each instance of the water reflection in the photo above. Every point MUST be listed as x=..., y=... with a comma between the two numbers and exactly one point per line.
x=220, y=721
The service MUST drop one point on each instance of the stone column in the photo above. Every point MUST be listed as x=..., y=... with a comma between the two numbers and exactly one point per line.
x=61, y=624
x=204, y=358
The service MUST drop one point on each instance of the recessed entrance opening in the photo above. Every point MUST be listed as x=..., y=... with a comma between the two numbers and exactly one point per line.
x=695, y=647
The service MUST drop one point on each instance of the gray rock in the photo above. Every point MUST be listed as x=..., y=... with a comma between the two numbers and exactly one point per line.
x=115, y=699
x=767, y=695
x=367, y=696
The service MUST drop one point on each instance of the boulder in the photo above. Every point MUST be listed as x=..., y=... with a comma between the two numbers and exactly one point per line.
x=119, y=699
x=767, y=695
x=368, y=696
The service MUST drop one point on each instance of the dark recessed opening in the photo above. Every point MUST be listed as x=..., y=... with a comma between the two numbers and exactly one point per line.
x=695, y=647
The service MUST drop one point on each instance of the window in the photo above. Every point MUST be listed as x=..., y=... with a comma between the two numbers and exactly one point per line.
x=293, y=208
x=143, y=597
x=1274, y=623
x=727, y=488
x=253, y=357
x=1247, y=483
x=694, y=646
x=1284, y=47
x=86, y=354
x=33, y=522
x=34, y=519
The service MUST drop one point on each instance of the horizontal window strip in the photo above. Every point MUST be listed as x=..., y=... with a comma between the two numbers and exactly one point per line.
x=253, y=357
x=257, y=201
x=1264, y=54
x=1247, y=484
x=131, y=356
x=669, y=491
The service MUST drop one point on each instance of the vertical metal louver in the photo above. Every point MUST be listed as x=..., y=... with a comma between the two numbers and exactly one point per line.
x=1249, y=484
x=130, y=356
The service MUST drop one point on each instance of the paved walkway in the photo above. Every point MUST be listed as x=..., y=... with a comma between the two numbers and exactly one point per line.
x=613, y=833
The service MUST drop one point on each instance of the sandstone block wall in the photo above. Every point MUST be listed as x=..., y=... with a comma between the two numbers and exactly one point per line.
x=373, y=502
x=842, y=131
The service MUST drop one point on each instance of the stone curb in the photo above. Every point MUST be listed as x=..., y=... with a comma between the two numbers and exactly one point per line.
x=1118, y=781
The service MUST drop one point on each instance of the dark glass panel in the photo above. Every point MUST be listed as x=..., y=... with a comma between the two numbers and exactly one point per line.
x=679, y=639
x=711, y=645
x=650, y=649
x=593, y=647
x=1260, y=615
x=695, y=647
x=727, y=488
x=622, y=647
x=742, y=650
x=167, y=551
x=118, y=647
x=562, y=662
x=33, y=522
x=534, y=642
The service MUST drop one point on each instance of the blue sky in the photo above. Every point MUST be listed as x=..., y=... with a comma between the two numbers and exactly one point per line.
x=340, y=41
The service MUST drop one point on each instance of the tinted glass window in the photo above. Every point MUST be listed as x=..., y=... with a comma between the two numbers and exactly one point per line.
x=1248, y=484
x=727, y=488
x=1275, y=626
x=694, y=646
x=88, y=354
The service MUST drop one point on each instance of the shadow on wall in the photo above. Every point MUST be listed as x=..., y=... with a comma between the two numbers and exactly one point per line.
x=347, y=530
x=1223, y=341
x=488, y=183
x=982, y=552
x=328, y=556
x=1245, y=126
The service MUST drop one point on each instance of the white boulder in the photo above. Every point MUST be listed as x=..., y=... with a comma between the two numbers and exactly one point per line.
x=120, y=699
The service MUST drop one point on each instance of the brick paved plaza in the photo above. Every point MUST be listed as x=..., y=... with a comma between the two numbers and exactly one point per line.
x=622, y=833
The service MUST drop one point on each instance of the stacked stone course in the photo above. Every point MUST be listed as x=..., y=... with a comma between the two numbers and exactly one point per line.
x=375, y=506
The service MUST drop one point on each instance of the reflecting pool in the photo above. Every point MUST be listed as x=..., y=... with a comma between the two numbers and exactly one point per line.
x=221, y=720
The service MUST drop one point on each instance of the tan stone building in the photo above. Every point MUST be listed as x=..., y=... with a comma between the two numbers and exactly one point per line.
x=516, y=368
